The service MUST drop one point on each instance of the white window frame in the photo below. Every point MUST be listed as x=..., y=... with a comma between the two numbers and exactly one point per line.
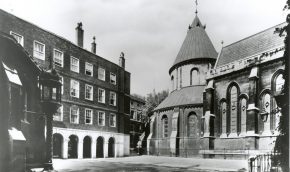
x=104, y=97
x=78, y=116
x=114, y=118
x=61, y=114
x=21, y=41
x=104, y=118
x=87, y=68
x=115, y=97
x=99, y=76
x=73, y=66
x=114, y=80
x=91, y=93
x=60, y=59
x=86, y=109
x=37, y=54
x=77, y=89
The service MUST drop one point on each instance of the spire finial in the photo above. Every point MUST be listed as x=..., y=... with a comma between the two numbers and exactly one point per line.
x=222, y=43
x=196, y=7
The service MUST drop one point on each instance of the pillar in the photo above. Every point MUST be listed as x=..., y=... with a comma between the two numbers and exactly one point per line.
x=252, y=111
x=209, y=110
x=209, y=117
x=48, y=160
x=80, y=148
x=65, y=148
x=106, y=148
x=94, y=148
x=116, y=148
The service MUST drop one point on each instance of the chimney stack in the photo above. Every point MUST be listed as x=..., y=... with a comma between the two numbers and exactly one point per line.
x=122, y=60
x=80, y=35
x=94, y=46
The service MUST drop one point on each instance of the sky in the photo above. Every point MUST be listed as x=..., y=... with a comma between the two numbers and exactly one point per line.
x=149, y=32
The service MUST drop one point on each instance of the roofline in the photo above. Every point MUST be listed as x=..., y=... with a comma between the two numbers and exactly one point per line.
x=137, y=99
x=218, y=58
x=254, y=34
x=181, y=105
x=60, y=37
x=190, y=60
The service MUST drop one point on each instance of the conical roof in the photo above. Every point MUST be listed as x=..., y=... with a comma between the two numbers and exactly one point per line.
x=196, y=44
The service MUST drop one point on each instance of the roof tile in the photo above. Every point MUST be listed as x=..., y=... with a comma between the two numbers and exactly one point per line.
x=252, y=45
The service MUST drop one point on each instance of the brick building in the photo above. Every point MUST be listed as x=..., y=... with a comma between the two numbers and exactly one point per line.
x=94, y=116
x=221, y=105
x=138, y=120
x=22, y=123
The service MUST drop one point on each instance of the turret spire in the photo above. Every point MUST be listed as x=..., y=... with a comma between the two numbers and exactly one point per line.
x=196, y=7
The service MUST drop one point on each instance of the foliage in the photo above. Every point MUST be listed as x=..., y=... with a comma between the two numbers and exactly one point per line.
x=282, y=141
x=153, y=100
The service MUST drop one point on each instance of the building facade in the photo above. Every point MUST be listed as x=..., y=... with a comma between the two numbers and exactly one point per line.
x=92, y=121
x=221, y=105
x=138, y=120
x=22, y=126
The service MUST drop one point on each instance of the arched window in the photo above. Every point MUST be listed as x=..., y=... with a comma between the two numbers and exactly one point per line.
x=233, y=109
x=265, y=106
x=192, y=126
x=277, y=86
x=194, y=76
x=243, y=113
x=164, y=126
x=232, y=116
x=223, y=113
x=278, y=82
x=172, y=82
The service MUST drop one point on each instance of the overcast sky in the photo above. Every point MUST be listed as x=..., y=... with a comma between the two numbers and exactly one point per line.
x=149, y=32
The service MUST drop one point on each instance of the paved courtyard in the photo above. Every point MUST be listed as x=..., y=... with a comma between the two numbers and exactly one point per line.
x=148, y=164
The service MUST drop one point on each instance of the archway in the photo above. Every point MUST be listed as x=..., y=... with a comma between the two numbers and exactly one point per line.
x=87, y=147
x=57, y=145
x=100, y=147
x=73, y=146
x=111, y=147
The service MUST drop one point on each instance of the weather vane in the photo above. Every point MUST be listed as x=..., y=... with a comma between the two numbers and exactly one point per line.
x=196, y=6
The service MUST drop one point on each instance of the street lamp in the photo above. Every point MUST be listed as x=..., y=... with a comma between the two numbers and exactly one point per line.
x=50, y=87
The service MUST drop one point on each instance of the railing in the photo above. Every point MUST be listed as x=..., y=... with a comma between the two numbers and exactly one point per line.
x=204, y=153
x=263, y=163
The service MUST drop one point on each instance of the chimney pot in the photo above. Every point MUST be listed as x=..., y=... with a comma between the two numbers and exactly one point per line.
x=80, y=35
x=94, y=46
x=122, y=60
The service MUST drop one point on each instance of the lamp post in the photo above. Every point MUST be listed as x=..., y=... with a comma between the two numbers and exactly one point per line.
x=50, y=87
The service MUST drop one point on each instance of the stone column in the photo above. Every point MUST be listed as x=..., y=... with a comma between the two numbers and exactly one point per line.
x=49, y=152
x=209, y=109
x=80, y=148
x=116, y=148
x=174, y=132
x=65, y=148
x=252, y=111
x=106, y=148
x=94, y=148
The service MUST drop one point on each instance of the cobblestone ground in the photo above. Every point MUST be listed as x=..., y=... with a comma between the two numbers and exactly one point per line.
x=149, y=164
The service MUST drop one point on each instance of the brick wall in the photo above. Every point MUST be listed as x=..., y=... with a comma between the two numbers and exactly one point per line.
x=31, y=32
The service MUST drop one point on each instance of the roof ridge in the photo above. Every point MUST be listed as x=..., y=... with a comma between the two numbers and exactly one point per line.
x=253, y=35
